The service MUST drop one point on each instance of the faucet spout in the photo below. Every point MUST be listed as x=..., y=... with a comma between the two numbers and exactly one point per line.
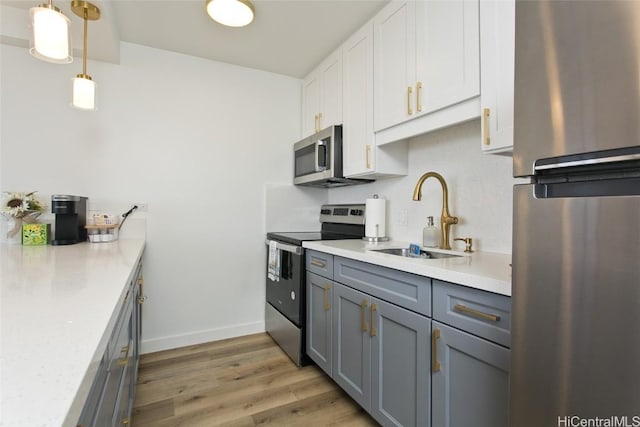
x=446, y=219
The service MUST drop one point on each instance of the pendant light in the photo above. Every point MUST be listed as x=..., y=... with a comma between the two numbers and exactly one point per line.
x=84, y=88
x=232, y=13
x=50, y=36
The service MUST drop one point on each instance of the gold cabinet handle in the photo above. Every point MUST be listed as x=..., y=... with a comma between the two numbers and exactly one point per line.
x=373, y=331
x=319, y=121
x=318, y=263
x=418, y=94
x=315, y=122
x=125, y=422
x=123, y=361
x=479, y=314
x=141, y=298
x=327, y=307
x=363, y=322
x=486, y=139
x=409, y=92
x=368, y=156
x=435, y=365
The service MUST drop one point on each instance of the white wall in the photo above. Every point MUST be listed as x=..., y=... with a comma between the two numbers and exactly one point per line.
x=195, y=139
x=480, y=189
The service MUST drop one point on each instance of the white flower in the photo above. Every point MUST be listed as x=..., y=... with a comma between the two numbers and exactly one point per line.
x=19, y=204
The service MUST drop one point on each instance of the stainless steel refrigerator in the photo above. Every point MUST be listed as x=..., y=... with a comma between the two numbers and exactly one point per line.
x=576, y=246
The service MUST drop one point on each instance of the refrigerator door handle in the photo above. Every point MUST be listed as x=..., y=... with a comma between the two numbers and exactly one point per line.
x=585, y=162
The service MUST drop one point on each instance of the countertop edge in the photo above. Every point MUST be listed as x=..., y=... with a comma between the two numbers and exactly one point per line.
x=485, y=271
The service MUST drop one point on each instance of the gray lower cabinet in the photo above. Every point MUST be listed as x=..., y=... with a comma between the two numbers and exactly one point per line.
x=470, y=380
x=110, y=399
x=319, y=314
x=471, y=333
x=377, y=341
x=381, y=357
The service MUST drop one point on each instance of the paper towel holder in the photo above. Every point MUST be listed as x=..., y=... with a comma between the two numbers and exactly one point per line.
x=377, y=238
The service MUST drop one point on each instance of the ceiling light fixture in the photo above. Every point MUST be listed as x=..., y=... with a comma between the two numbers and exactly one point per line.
x=232, y=13
x=84, y=88
x=50, y=36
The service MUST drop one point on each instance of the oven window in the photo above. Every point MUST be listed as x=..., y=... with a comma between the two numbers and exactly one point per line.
x=287, y=294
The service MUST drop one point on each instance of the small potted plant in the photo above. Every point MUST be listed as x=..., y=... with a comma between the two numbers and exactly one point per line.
x=19, y=208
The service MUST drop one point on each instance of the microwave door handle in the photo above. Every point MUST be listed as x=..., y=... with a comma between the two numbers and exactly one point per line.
x=321, y=168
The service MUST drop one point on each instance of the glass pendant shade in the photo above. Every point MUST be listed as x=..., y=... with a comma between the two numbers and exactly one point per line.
x=84, y=93
x=50, y=38
x=232, y=13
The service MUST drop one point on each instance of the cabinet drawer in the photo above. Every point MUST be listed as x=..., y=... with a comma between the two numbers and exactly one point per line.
x=404, y=289
x=482, y=313
x=320, y=263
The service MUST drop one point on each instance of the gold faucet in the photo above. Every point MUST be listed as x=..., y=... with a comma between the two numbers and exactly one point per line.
x=446, y=220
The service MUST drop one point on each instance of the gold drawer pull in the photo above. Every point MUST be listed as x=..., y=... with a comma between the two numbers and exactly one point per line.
x=373, y=332
x=363, y=322
x=485, y=316
x=318, y=263
x=327, y=307
x=435, y=365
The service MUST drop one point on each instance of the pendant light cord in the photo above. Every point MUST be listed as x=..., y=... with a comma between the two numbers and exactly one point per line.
x=84, y=49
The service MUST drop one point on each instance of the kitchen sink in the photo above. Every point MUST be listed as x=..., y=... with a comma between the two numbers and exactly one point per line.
x=423, y=254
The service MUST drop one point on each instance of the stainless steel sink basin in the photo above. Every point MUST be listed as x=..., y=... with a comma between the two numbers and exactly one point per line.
x=423, y=254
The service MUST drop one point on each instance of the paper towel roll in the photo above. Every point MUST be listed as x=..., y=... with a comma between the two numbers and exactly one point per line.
x=375, y=223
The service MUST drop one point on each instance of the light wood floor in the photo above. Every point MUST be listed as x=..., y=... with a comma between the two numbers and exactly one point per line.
x=244, y=381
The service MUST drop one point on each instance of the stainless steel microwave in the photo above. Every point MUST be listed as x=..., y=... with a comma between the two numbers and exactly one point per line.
x=318, y=160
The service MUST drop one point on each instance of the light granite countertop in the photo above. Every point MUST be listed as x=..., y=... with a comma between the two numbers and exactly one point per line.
x=480, y=270
x=58, y=306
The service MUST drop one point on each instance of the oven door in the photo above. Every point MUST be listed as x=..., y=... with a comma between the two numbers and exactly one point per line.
x=286, y=292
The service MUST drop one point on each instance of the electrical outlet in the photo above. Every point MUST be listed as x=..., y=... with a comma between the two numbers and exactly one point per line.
x=402, y=217
x=142, y=206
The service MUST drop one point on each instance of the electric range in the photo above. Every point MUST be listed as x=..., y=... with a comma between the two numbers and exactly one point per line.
x=285, y=309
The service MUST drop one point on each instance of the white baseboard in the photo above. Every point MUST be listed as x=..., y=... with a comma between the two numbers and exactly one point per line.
x=200, y=337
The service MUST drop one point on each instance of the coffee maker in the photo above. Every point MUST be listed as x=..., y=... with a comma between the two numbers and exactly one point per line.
x=71, y=217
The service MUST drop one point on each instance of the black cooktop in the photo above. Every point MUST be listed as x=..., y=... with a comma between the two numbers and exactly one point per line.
x=297, y=237
x=338, y=222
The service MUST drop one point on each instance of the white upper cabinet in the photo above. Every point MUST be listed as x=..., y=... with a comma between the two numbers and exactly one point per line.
x=395, y=63
x=427, y=66
x=358, y=137
x=322, y=96
x=362, y=157
x=448, y=54
x=310, y=104
x=497, y=42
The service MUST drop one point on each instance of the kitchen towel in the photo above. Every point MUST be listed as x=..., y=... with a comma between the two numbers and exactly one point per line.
x=375, y=217
x=273, y=263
